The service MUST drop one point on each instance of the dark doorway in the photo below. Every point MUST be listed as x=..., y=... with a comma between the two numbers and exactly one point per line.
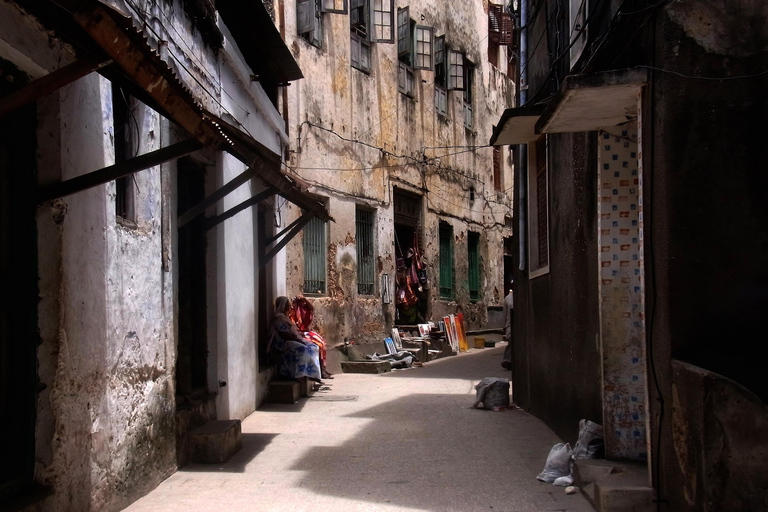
x=192, y=362
x=18, y=302
x=411, y=295
x=509, y=264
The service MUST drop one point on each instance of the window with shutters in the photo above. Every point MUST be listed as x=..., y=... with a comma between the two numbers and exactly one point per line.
x=360, y=53
x=383, y=25
x=441, y=65
x=500, y=31
x=309, y=21
x=446, y=260
x=404, y=34
x=538, y=207
x=469, y=77
x=126, y=147
x=497, y=185
x=365, y=250
x=473, y=265
x=313, y=242
x=424, y=44
x=405, y=79
x=334, y=6
x=455, y=70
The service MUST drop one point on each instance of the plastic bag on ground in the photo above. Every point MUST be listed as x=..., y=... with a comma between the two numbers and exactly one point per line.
x=564, y=481
x=590, y=442
x=493, y=393
x=558, y=463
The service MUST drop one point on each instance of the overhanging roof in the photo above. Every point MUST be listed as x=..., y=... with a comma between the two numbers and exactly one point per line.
x=259, y=41
x=517, y=126
x=102, y=31
x=590, y=102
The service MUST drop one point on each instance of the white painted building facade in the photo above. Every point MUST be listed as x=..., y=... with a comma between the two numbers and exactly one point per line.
x=135, y=328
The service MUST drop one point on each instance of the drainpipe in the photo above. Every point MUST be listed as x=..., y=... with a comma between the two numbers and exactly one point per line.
x=523, y=158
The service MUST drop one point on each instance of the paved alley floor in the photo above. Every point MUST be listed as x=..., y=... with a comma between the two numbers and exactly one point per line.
x=402, y=441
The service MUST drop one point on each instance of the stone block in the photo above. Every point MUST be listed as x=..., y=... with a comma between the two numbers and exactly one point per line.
x=620, y=498
x=284, y=392
x=216, y=441
x=366, y=366
x=586, y=471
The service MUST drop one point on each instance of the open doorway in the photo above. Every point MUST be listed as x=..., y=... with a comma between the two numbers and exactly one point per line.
x=411, y=292
x=18, y=305
x=192, y=362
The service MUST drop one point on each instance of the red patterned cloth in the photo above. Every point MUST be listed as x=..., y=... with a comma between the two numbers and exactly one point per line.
x=320, y=342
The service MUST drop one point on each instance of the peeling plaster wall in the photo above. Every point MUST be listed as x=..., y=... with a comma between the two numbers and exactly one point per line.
x=106, y=423
x=354, y=137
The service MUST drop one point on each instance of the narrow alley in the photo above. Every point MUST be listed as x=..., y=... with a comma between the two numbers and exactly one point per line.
x=406, y=440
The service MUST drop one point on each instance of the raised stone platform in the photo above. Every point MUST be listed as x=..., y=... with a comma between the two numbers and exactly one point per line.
x=366, y=366
x=613, y=486
x=215, y=441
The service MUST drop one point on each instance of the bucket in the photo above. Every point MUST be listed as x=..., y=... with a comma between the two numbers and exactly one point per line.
x=479, y=342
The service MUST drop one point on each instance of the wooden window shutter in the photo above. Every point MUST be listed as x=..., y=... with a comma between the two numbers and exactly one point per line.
x=497, y=167
x=455, y=70
x=424, y=39
x=305, y=16
x=403, y=32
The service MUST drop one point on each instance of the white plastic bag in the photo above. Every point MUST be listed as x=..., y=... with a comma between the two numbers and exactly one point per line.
x=558, y=463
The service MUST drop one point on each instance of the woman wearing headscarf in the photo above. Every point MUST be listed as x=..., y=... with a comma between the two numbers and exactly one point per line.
x=302, y=313
x=299, y=358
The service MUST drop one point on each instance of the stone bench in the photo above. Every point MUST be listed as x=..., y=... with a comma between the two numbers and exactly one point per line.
x=216, y=441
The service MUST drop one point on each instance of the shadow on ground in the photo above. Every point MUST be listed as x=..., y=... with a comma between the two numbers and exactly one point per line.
x=253, y=444
x=455, y=367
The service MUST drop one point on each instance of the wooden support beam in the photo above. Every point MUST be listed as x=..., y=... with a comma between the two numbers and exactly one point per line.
x=284, y=231
x=216, y=196
x=113, y=172
x=214, y=221
x=45, y=85
x=299, y=225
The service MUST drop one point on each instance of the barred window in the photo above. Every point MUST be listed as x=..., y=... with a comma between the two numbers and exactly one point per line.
x=314, y=256
x=365, y=251
x=473, y=265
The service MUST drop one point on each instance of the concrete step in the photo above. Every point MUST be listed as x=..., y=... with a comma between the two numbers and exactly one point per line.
x=215, y=441
x=284, y=392
x=366, y=366
x=612, y=486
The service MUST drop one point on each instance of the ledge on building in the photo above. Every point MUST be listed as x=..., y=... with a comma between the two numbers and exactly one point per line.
x=589, y=102
x=517, y=126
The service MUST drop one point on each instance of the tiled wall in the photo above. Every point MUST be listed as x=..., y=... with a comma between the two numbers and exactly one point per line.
x=622, y=321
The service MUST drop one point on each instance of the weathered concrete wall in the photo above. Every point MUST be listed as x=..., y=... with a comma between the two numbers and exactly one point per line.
x=354, y=138
x=556, y=373
x=106, y=422
x=709, y=242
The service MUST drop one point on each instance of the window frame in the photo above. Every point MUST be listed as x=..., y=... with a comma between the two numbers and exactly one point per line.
x=427, y=47
x=538, y=168
x=333, y=10
x=468, y=94
x=370, y=280
x=497, y=159
x=374, y=26
x=321, y=254
x=123, y=110
x=455, y=80
x=441, y=62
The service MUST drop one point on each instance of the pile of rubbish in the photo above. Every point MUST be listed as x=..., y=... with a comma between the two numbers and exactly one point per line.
x=493, y=393
x=399, y=360
x=558, y=469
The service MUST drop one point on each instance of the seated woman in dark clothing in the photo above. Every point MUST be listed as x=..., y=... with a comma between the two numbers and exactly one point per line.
x=298, y=357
